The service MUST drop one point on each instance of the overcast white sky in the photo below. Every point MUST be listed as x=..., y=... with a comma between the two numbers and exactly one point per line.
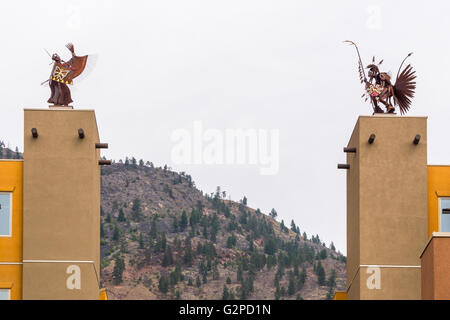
x=232, y=64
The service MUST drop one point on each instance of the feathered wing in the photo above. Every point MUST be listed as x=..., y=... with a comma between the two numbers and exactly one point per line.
x=404, y=89
x=78, y=64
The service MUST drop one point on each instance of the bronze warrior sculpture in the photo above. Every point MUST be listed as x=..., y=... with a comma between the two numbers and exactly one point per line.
x=379, y=88
x=63, y=74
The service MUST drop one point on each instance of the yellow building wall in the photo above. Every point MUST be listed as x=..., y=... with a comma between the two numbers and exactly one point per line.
x=11, y=180
x=340, y=295
x=103, y=294
x=438, y=186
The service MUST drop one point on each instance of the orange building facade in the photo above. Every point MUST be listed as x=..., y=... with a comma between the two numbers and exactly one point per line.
x=11, y=201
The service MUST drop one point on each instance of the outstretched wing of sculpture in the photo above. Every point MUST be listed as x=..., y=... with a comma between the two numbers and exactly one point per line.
x=78, y=64
x=404, y=88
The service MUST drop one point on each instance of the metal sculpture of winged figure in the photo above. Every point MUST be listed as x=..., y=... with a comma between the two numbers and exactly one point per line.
x=62, y=75
x=380, y=89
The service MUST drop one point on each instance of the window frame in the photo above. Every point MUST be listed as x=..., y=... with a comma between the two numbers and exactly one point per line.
x=440, y=211
x=10, y=214
x=8, y=290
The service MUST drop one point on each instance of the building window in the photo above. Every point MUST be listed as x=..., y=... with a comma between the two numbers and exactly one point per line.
x=444, y=214
x=5, y=294
x=5, y=214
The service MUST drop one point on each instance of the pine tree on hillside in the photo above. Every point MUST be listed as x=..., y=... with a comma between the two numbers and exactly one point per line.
x=291, y=287
x=188, y=255
x=332, y=279
x=168, y=257
x=17, y=154
x=121, y=216
x=141, y=241
x=136, y=209
x=183, y=221
x=225, y=294
x=273, y=213
x=332, y=247
x=293, y=226
x=119, y=267
x=163, y=285
x=320, y=271
x=116, y=233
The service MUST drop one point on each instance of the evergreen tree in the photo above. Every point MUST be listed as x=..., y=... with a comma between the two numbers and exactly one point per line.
x=216, y=274
x=277, y=293
x=273, y=213
x=17, y=154
x=283, y=228
x=119, y=267
x=188, y=256
x=116, y=233
x=175, y=224
x=141, y=241
x=168, y=257
x=163, y=241
x=270, y=246
x=320, y=271
x=240, y=273
x=136, y=208
x=163, y=285
x=183, y=221
x=121, y=217
x=205, y=232
x=102, y=230
x=153, y=230
x=231, y=241
x=332, y=247
x=301, y=279
x=291, y=287
x=198, y=282
x=225, y=294
x=332, y=279
x=293, y=226
x=215, y=227
x=329, y=294
x=323, y=254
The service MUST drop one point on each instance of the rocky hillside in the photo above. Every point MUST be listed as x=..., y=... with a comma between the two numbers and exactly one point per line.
x=162, y=238
x=7, y=153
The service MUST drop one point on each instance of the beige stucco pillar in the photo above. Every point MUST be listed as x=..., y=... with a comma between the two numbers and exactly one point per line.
x=386, y=207
x=61, y=205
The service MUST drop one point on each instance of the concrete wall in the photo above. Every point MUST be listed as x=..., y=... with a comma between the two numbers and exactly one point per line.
x=387, y=205
x=61, y=216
